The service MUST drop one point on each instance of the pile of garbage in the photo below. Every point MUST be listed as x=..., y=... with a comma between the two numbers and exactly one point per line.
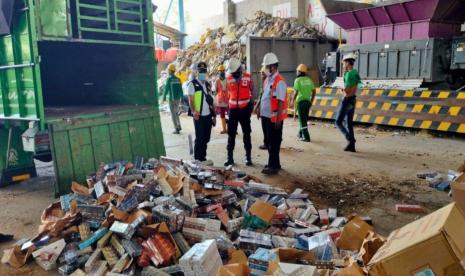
x=439, y=181
x=176, y=217
x=218, y=45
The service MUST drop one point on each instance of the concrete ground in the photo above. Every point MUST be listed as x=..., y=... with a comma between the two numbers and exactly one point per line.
x=369, y=182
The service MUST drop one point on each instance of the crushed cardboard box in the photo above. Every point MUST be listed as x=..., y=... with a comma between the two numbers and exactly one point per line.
x=432, y=245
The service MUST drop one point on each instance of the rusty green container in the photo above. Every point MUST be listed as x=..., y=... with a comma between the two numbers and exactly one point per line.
x=77, y=84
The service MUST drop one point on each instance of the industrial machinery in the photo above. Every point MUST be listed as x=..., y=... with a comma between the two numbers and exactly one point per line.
x=411, y=58
x=406, y=44
x=77, y=85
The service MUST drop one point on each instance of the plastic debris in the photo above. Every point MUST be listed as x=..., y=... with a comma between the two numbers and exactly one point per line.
x=176, y=217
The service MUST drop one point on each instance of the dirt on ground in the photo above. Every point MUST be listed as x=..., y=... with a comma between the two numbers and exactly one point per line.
x=370, y=182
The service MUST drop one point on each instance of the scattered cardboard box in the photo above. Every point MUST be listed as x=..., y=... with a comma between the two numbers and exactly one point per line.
x=433, y=244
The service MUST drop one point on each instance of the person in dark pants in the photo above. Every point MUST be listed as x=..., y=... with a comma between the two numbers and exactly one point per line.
x=202, y=109
x=303, y=99
x=173, y=90
x=347, y=108
x=239, y=86
x=264, y=146
x=273, y=110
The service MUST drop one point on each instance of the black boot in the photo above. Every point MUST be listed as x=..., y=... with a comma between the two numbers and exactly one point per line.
x=230, y=160
x=350, y=147
x=248, y=160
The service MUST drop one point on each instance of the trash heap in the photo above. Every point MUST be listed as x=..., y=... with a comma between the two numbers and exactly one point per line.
x=175, y=217
x=218, y=45
x=439, y=181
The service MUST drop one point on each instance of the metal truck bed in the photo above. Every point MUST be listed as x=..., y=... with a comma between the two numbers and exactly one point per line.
x=53, y=113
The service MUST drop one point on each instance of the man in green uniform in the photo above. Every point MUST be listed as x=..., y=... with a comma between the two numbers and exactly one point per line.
x=347, y=108
x=303, y=98
x=173, y=89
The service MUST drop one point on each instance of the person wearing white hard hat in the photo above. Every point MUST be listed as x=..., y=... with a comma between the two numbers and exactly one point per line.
x=347, y=107
x=239, y=85
x=273, y=111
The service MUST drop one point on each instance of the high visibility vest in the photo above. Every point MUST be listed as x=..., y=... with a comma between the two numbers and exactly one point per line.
x=274, y=101
x=239, y=91
x=198, y=96
x=221, y=94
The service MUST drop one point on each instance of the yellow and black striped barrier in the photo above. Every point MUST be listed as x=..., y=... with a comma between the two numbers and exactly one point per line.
x=433, y=110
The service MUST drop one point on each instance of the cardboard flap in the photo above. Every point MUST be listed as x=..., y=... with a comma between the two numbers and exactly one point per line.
x=263, y=210
x=353, y=234
x=414, y=233
x=292, y=255
x=370, y=246
x=237, y=257
x=234, y=270
x=353, y=270
x=458, y=191
x=454, y=231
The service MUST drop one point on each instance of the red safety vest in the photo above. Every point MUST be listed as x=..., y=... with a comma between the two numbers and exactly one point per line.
x=274, y=101
x=239, y=91
x=221, y=94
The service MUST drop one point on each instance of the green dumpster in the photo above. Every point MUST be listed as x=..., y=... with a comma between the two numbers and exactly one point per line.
x=77, y=86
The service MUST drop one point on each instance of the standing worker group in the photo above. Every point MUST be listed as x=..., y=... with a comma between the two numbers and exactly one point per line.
x=202, y=109
x=239, y=87
x=273, y=111
x=347, y=108
x=173, y=89
x=222, y=98
x=303, y=99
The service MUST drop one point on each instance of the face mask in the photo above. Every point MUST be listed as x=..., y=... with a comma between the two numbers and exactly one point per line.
x=202, y=76
x=222, y=76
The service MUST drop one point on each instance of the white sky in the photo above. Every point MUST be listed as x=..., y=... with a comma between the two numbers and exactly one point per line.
x=193, y=9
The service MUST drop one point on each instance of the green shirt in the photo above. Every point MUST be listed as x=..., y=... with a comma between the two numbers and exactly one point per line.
x=304, y=87
x=172, y=89
x=351, y=78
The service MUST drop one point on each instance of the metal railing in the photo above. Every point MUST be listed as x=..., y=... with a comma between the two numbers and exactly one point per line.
x=112, y=20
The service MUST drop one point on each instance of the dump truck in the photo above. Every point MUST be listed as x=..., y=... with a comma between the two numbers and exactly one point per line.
x=77, y=86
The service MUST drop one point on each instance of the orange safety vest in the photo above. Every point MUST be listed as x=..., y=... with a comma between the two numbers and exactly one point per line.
x=239, y=91
x=221, y=94
x=274, y=101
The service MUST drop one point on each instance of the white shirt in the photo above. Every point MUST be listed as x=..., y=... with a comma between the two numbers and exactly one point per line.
x=281, y=91
x=191, y=91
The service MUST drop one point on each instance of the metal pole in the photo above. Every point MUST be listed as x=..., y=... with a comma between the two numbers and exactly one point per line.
x=168, y=12
x=10, y=132
x=5, y=67
x=182, y=26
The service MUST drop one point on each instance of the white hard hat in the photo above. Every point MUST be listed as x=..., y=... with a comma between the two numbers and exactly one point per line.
x=270, y=58
x=233, y=65
x=349, y=56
